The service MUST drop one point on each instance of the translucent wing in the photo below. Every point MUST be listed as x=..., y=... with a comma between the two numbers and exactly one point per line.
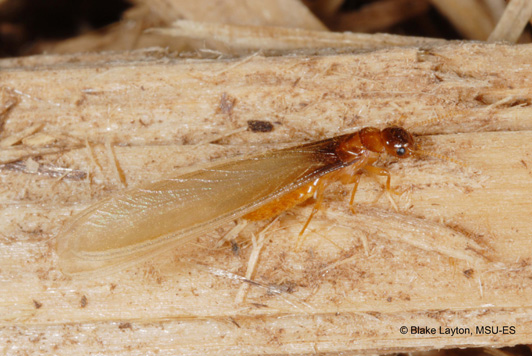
x=140, y=222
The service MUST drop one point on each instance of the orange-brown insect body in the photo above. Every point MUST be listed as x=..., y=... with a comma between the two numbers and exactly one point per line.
x=283, y=203
x=361, y=149
x=143, y=221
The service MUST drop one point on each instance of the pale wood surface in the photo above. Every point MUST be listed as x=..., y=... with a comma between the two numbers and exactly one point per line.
x=457, y=253
x=128, y=34
x=513, y=21
x=269, y=40
x=286, y=13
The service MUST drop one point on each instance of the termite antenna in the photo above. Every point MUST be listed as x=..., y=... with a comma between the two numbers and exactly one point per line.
x=434, y=119
x=440, y=156
x=439, y=117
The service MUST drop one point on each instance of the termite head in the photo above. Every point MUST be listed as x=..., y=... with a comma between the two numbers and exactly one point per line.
x=393, y=140
x=398, y=142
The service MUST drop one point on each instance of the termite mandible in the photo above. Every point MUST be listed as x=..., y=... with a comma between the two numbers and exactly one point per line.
x=137, y=223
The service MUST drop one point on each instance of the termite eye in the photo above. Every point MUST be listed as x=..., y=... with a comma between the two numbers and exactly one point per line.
x=400, y=151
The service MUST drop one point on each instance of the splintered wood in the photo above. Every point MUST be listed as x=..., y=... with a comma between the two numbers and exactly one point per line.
x=454, y=257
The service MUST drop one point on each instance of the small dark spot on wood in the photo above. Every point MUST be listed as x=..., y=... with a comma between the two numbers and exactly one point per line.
x=469, y=273
x=480, y=98
x=260, y=126
x=524, y=163
x=389, y=299
x=227, y=103
x=287, y=287
x=235, y=248
x=81, y=100
x=234, y=322
x=525, y=262
x=423, y=54
x=112, y=287
x=522, y=102
x=438, y=77
x=83, y=302
x=123, y=326
x=37, y=304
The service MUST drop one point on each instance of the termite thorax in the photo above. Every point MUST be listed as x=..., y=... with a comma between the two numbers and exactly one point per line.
x=350, y=148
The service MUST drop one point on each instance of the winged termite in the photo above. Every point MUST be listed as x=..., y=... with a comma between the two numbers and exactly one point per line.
x=134, y=224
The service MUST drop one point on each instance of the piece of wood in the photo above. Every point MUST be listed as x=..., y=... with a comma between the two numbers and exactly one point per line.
x=237, y=40
x=128, y=34
x=455, y=255
x=470, y=17
x=513, y=21
x=285, y=13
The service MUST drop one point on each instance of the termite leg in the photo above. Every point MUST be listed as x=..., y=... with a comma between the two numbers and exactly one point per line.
x=372, y=170
x=356, y=179
x=382, y=172
x=349, y=175
x=320, y=188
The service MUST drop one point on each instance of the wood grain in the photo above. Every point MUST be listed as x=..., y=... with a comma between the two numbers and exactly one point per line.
x=455, y=254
